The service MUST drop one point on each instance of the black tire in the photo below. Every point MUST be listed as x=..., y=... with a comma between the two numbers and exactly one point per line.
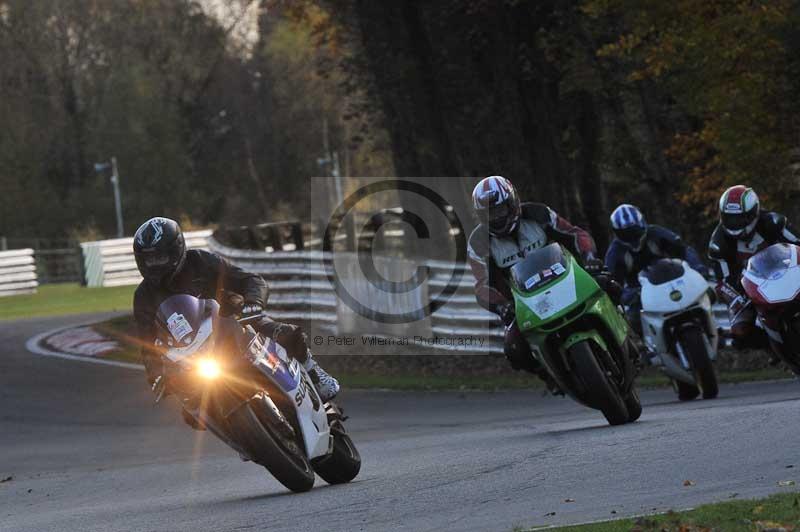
x=343, y=464
x=287, y=463
x=691, y=339
x=600, y=393
x=686, y=392
x=634, y=406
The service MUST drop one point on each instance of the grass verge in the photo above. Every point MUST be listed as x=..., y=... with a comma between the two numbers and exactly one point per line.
x=778, y=512
x=68, y=298
x=120, y=328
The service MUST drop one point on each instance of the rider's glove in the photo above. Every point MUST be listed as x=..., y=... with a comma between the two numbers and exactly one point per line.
x=593, y=266
x=507, y=314
x=230, y=303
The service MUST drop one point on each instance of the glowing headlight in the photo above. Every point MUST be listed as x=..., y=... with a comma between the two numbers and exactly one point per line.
x=208, y=368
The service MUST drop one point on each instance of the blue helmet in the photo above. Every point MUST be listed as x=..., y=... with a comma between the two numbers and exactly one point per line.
x=629, y=226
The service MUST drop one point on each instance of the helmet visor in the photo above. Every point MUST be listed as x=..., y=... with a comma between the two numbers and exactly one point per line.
x=156, y=265
x=631, y=235
x=497, y=218
x=738, y=221
x=155, y=260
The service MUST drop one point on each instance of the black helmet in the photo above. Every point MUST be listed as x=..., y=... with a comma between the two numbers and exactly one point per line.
x=160, y=249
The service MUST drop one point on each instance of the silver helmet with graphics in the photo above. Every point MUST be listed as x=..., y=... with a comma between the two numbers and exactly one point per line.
x=497, y=205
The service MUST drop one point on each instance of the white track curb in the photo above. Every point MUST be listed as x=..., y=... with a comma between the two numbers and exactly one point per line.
x=34, y=345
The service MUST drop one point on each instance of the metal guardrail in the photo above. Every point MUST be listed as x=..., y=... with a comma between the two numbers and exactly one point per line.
x=18, y=272
x=59, y=265
x=111, y=262
x=300, y=291
x=58, y=260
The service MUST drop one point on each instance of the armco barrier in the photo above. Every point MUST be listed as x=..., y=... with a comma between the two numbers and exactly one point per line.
x=300, y=290
x=111, y=262
x=17, y=272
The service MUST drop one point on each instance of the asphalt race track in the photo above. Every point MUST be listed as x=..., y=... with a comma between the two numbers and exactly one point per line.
x=88, y=451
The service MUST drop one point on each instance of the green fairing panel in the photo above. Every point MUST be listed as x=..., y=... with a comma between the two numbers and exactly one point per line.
x=552, y=301
x=608, y=312
x=541, y=310
x=591, y=335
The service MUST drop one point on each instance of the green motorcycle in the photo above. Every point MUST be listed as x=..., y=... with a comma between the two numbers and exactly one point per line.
x=576, y=332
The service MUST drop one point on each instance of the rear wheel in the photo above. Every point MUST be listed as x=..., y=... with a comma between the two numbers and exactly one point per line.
x=343, y=464
x=279, y=454
x=694, y=346
x=600, y=392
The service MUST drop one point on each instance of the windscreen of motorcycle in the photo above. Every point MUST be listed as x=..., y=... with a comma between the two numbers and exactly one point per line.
x=774, y=273
x=539, y=267
x=663, y=271
x=181, y=317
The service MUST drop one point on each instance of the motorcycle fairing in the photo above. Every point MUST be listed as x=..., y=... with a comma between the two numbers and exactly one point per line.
x=272, y=357
x=659, y=308
x=772, y=276
x=268, y=357
x=561, y=296
x=292, y=379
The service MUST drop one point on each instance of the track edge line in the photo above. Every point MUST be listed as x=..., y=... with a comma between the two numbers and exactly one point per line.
x=33, y=345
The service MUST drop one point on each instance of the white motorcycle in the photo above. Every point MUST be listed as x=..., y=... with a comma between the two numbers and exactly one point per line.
x=678, y=324
x=246, y=391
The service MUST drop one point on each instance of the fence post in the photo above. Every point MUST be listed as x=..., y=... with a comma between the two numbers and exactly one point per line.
x=297, y=236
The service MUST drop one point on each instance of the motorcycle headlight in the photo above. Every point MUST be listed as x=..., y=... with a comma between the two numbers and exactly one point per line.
x=208, y=368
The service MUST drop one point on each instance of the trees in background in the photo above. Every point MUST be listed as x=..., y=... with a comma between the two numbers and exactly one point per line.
x=731, y=67
x=587, y=103
x=205, y=127
x=584, y=104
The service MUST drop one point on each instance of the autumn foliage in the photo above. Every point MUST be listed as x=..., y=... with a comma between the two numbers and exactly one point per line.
x=729, y=65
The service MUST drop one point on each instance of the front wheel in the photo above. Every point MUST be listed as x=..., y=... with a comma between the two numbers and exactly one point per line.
x=694, y=345
x=343, y=464
x=686, y=392
x=599, y=391
x=634, y=406
x=280, y=455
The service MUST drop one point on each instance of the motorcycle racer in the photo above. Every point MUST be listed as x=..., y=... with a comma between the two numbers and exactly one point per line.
x=744, y=229
x=508, y=231
x=636, y=246
x=168, y=268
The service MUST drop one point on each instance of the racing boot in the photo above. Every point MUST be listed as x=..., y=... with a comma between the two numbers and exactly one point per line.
x=327, y=386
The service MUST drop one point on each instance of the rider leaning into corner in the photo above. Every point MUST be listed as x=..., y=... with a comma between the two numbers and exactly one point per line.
x=744, y=230
x=169, y=269
x=636, y=246
x=507, y=232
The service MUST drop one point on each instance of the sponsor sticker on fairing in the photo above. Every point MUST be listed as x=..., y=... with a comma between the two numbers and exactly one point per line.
x=553, y=271
x=532, y=281
x=178, y=326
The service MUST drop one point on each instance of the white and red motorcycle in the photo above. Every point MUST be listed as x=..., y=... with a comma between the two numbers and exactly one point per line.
x=772, y=282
